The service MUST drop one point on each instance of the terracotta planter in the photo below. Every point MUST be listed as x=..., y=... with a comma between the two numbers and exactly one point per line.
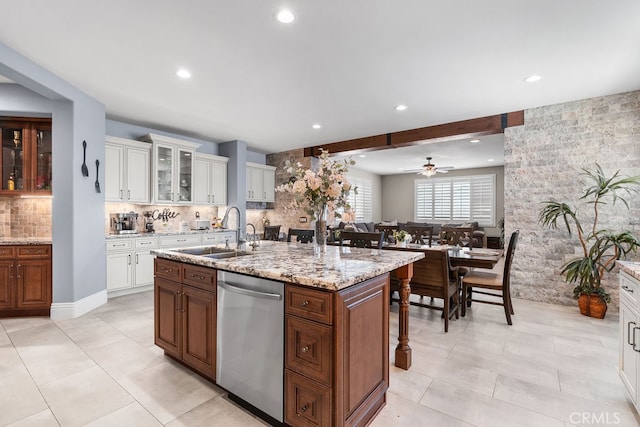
x=597, y=307
x=583, y=303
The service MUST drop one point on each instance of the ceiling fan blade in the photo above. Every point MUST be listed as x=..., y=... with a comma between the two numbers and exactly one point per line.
x=442, y=171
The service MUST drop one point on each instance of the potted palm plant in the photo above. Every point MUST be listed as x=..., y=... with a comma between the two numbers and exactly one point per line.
x=600, y=247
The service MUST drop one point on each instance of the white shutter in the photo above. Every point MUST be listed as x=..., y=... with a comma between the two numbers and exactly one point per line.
x=466, y=198
x=361, y=203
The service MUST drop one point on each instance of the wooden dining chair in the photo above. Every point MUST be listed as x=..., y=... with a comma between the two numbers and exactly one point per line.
x=456, y=235
x=421, y=234
x=434, y=277
x=303, y=235
x=272, y=232
x=494, y=284
x=387, y=229
x=362, y=240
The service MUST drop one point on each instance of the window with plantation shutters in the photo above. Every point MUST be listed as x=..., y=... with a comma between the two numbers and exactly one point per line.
x=456, y=199
x=361, y=203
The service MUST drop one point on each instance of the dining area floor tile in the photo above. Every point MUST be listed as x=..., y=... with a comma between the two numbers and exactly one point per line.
x=552, y=366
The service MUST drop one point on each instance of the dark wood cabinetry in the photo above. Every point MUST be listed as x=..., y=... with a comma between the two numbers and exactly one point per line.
x=25, y=159
x=185, y=314
x=25, y=280
x=336, y=354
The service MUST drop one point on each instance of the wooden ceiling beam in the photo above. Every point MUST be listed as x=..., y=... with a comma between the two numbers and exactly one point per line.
x=489, y=125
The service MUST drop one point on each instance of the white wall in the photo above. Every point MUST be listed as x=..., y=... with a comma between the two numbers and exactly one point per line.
x=398, y=195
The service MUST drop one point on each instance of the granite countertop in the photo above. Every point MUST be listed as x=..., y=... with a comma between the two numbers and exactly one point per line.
x=167, y=233
x=25, y=241
x=631, y=268
x=338, y=268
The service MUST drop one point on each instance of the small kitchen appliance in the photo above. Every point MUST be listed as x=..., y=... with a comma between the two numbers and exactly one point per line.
x=201, y=224
x=124, y=223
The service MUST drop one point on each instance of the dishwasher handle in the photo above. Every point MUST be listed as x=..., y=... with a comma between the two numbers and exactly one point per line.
x=249, y=292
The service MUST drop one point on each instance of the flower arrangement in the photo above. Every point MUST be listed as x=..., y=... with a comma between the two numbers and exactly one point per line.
x=401, y=236
x=322, y=192
x=266, y=220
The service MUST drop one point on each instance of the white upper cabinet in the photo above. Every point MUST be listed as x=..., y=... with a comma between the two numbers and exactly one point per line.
x=127, y=170
x=210, y=182
x=261, y=180
x=173, y=170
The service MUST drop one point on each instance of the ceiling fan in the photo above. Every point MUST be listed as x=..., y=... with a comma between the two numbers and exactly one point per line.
x=429, y=169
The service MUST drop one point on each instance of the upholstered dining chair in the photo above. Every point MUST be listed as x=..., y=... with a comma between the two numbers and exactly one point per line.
x=362, y=240
x=272, y=232
x=434, y=277
x=421, y=234
x=494, y=284
x=303, y=235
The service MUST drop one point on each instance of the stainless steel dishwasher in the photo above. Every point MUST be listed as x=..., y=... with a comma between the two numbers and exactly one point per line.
x=250, y=341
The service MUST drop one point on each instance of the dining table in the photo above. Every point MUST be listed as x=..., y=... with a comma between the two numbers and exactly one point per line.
x=458, y=257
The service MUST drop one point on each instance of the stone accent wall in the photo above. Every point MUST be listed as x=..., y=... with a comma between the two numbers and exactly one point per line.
x=279, y=216
x=25, y=217
x=543, y=160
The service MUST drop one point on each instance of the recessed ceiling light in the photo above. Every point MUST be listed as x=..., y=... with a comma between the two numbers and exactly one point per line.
x=474, y=141
x=316, y=126
x=532, y=78
x=490, y=160
x=401, y=107
x=362, y=155
x=285, y=16
x=183, y=73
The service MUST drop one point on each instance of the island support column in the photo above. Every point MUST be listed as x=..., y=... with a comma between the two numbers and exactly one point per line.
x=403, y=351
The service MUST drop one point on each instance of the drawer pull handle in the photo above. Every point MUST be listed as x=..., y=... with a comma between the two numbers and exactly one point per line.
x=193, y=276
x=304, y=303
x=168, y=270
x=628, y=289
x=305, y=349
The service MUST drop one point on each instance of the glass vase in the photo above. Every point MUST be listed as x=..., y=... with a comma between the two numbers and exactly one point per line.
x=320, y=238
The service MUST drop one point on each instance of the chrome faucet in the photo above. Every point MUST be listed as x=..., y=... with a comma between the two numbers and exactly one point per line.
x=254, y=242
x=225, y=219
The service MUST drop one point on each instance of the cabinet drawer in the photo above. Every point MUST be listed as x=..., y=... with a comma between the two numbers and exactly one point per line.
x=200, y=277
x=307, y=403
x=168, y=269
x=308, y=349
x=177, y=241
x=33, y=251
x=309, y=303
x=119, y=245
x=213, y=238
x=146, y=243
x=629, y=289
x=7, y=252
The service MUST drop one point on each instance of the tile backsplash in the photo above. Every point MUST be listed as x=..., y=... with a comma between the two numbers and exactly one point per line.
x=25, y=217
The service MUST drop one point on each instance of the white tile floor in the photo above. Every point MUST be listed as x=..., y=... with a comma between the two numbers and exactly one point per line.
x=553, y=367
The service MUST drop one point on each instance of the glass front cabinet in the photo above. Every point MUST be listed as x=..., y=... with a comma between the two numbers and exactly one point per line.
x=26, y=156
x=173, y=166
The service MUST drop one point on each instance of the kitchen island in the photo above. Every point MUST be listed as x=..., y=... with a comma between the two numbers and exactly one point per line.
x=336, y=327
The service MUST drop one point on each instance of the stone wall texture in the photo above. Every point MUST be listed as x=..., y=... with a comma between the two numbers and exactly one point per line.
x=544, y=160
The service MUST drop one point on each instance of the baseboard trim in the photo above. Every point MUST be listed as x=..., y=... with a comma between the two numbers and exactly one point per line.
x=71, y=310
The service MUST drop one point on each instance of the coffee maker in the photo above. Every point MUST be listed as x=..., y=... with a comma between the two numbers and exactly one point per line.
x=124, y=223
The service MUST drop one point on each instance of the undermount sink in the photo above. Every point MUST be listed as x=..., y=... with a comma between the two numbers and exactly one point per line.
x=213, y=252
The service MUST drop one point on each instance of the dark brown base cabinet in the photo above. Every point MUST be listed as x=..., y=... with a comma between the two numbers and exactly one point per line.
x=185, y=314
x=336, y=354
x=25, y=280
x=336, y=343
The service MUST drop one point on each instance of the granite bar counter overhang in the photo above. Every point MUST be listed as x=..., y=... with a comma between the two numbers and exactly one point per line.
x=338, y=268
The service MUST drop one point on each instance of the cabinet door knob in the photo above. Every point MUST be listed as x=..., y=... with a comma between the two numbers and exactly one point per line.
x=305, y=349
x=303, y=408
